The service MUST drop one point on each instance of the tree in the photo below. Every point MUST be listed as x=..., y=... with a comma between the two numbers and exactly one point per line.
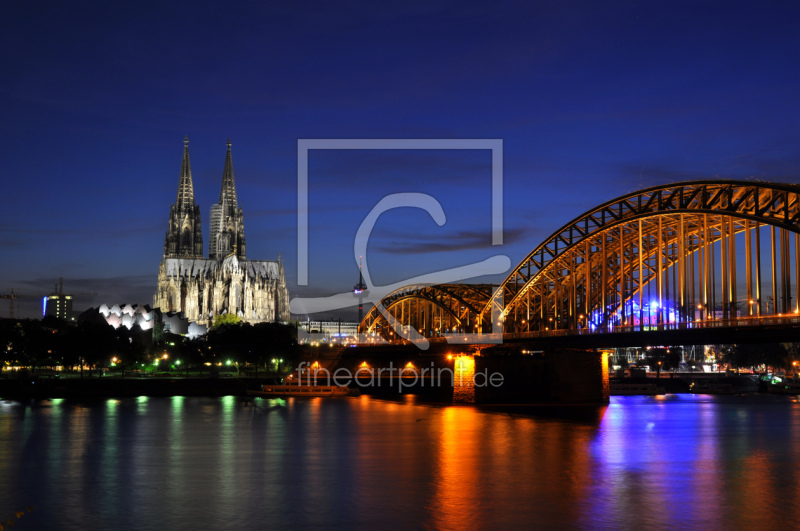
x=193, y=350
x=95, y=341
x=34, y=343
x=158, y=333
x=656, y=358
x=276, y=341
x=227, y=319
x=739, y=356
x=775, y=355
x=672, y=360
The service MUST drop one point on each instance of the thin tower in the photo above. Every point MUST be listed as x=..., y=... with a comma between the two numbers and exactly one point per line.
x=360, y=290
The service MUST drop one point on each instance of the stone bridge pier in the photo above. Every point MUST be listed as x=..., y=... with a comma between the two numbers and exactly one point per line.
x=501, y=374
x=565, y=376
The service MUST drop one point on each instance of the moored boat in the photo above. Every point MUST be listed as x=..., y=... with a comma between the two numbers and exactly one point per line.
x=784, y=387
x=706, y=387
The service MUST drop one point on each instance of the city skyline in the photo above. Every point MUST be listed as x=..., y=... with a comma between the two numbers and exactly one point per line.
x=590, y=101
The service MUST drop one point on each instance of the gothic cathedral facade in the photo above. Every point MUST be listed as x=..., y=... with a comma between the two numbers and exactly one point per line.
x=225, y=282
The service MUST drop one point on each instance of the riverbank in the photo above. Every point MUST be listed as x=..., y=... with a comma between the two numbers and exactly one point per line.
x=121, y=387
x=682, y=383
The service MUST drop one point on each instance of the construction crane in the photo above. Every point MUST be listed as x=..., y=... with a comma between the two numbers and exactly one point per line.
x=59, y=290
x=14, y=296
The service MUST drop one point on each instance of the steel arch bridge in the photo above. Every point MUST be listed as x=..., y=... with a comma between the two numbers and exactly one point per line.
x=669, y=256
x=432, y=310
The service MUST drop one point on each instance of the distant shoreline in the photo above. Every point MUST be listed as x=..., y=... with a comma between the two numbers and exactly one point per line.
x=119, y=387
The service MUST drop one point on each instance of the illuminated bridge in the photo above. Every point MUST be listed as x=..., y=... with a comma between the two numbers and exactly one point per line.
x=686, y=257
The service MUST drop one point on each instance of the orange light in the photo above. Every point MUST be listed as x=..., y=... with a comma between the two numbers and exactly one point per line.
x=449, y=356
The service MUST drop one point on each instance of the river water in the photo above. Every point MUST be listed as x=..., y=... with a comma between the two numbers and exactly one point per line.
x=680, y=461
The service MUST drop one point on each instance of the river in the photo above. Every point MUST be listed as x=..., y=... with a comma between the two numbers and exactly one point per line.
x=678, y=461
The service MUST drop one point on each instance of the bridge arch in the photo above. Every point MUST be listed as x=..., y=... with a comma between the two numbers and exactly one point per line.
x=432, y=310
x=666, y=254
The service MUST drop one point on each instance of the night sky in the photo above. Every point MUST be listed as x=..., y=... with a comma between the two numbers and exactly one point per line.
x=591, y=99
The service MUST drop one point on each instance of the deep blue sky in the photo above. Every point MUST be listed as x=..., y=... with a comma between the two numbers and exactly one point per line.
x=592, y=100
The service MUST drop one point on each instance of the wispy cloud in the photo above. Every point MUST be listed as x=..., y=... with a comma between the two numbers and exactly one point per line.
x=459, y=241
x=138, y=287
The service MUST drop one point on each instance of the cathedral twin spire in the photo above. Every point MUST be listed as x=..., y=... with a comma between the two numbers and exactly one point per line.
x=227, y=220
x=185, y=198
x=184, y=238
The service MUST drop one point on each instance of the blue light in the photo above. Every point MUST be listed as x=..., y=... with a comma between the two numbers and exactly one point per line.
x=44, y=306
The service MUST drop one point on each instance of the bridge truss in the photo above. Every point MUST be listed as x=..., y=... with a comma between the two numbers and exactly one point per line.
x=665, y=256
x=432, y=310
x=668, y=256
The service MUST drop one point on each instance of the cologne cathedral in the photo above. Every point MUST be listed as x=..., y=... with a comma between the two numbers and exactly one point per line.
x=225, y=282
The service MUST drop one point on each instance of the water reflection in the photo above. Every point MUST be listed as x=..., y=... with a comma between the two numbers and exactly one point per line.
x=456, y=484
x=677, y=461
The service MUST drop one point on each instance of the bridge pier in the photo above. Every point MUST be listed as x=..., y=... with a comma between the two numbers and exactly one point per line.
x=502, y=374
x=563, y=376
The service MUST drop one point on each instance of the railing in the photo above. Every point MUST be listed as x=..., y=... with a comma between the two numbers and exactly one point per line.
x=455, y=337
x=694, y=325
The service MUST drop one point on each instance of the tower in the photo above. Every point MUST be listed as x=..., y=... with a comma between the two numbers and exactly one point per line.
x=184, y=237
x=360, y=290
x=227, y=221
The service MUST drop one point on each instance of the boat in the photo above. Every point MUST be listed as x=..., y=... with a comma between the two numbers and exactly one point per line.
x=623, y=389
x=302, y=390
x=706, y=387
x=784, y=387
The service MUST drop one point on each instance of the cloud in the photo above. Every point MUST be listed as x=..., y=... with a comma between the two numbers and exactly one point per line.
x=460, y=241
x=110, y=231
x=128, y=288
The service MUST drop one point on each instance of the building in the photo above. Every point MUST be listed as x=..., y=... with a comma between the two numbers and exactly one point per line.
x=225, y=282
x=336, y=331
x=144, y=317
x=59, y=305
